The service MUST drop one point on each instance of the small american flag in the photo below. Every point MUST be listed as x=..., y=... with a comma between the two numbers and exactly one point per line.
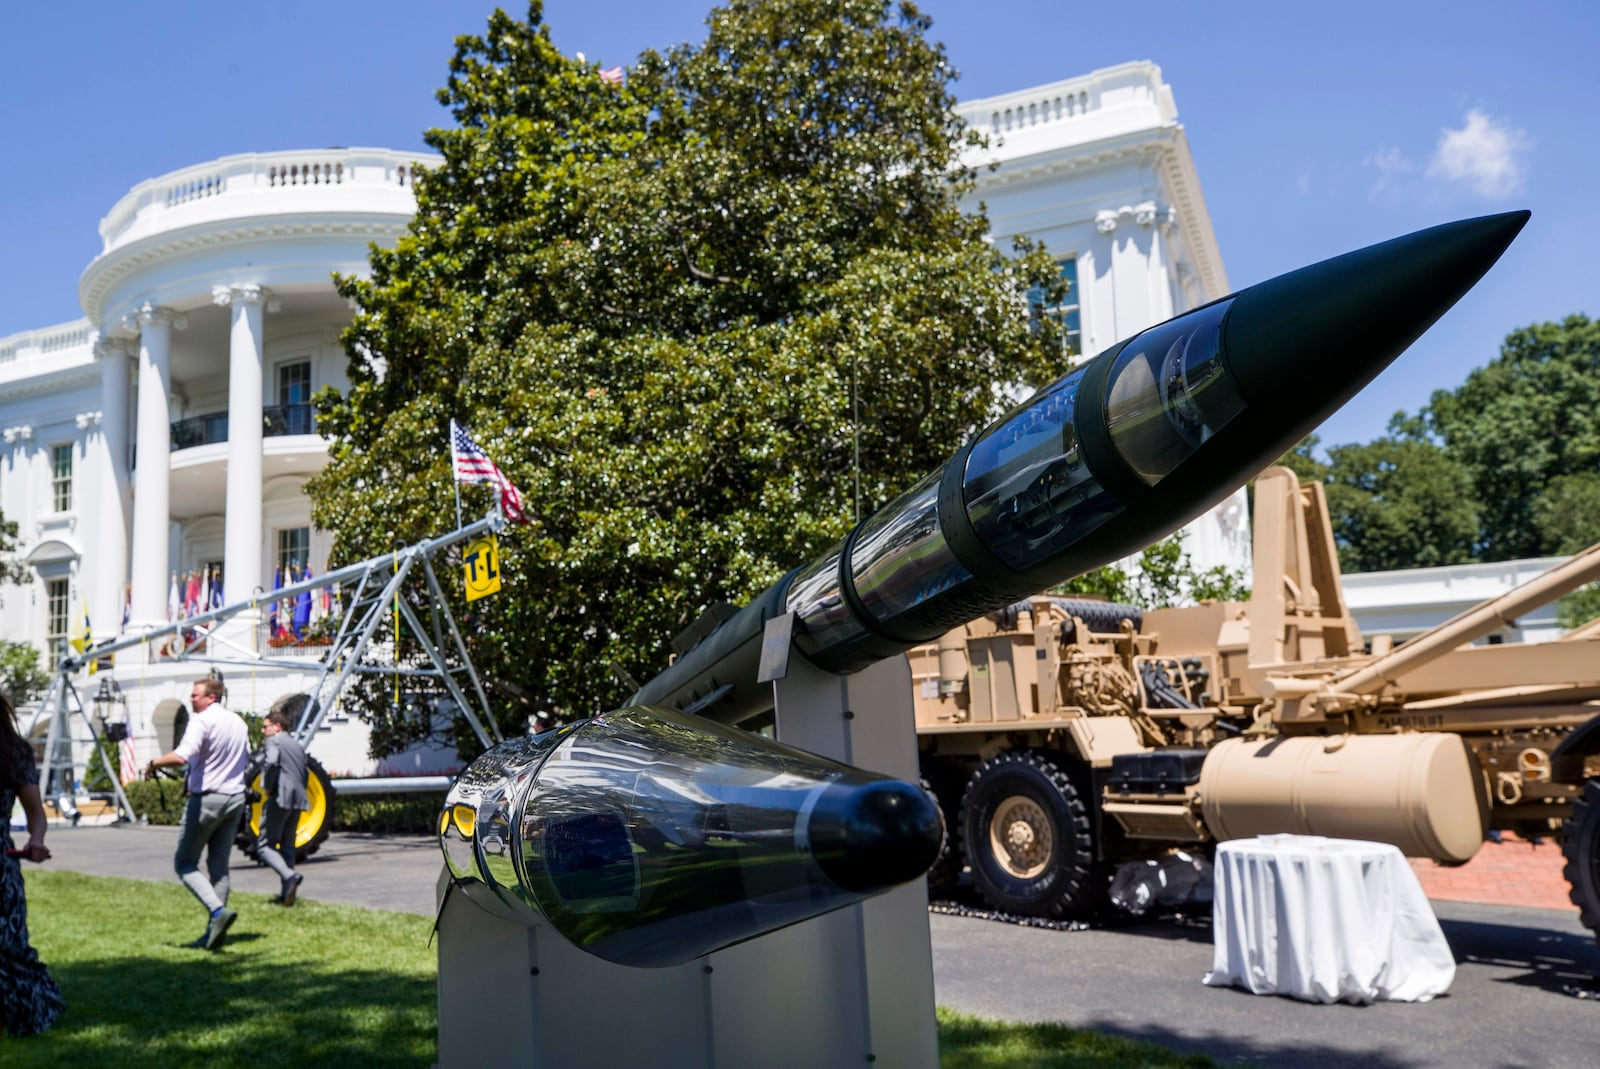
x=129, y=770
x=611, y=75
x=473, y=465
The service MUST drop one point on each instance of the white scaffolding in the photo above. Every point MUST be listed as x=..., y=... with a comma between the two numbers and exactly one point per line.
x=369, y=593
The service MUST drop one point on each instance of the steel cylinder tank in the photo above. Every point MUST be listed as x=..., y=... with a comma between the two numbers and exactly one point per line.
x=647, y=837
x=1420, y=792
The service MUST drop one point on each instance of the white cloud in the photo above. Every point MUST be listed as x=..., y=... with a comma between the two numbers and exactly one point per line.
x=1485, y=153
x=1391, y=160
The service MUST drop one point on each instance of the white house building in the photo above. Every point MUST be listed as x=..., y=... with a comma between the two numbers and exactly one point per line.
x=164, y=439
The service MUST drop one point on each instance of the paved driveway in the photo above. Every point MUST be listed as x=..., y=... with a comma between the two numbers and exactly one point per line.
x=1506, y=1010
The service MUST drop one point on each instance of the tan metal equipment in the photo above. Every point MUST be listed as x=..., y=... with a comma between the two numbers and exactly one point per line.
x=1065, y=735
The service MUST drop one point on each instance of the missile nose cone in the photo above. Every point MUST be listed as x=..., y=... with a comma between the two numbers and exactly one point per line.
x=869, y=837
x=1327, y=330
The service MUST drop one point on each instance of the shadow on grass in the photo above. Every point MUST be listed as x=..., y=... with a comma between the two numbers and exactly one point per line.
x=234, y=1008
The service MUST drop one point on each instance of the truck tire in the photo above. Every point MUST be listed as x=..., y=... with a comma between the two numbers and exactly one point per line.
x=1580, y=844
x=945, y=875
x=315, y=820
x=1025, y=832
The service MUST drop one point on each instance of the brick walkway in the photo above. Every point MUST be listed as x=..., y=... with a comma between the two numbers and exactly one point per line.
x=1509, y=873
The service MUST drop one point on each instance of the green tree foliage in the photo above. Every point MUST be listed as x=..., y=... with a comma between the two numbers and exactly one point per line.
x=22, y=678
x=1529, y=418
x=702, y=320
x=11, y=569
x=1166, y=576
x=1399, y=503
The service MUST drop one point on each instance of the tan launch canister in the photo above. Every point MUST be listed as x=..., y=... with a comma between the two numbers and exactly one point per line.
x=1420, y=792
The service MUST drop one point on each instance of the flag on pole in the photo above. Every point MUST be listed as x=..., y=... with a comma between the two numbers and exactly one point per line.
x=472, y=465
x=174, y=605
x=611, y=76
x=82, y=641
x=130, y=768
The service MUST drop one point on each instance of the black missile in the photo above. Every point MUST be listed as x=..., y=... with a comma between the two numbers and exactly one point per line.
x=647, y=837
x=1112, y=457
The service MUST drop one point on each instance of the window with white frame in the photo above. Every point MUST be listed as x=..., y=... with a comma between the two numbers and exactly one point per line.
x=294, y=553
x=1065, y=315
x=57, y=604
x=61, y=477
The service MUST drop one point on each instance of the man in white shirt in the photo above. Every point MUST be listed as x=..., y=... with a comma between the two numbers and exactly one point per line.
x=216, y=747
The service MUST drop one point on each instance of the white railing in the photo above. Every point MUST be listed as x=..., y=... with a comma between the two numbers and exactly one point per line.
x=43, y=341
x=1070, y=100
x=1054, y=107
x=358, y=169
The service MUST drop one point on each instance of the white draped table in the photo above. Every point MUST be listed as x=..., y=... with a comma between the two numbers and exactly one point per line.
x=1324, y=920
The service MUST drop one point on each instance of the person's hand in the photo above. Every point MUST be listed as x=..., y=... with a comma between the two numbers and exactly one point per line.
x=36, y=852
x=150, y=770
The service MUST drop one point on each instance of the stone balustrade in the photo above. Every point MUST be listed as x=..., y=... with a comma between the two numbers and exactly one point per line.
x=21, y=348
x=235, y=178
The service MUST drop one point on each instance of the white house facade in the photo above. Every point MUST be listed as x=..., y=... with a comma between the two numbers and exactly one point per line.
x=1098, y=170
x=156, y=451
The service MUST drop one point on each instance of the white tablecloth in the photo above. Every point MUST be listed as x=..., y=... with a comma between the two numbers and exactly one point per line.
x=1324, y=920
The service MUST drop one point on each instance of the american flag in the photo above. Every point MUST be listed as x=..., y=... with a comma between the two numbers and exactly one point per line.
x=473, y=465
x=130, y=768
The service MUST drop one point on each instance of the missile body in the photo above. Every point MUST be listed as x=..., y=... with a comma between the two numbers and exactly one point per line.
x=1113, y=456
x=648, y=837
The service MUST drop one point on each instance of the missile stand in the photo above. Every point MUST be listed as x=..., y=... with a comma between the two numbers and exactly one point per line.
x=851, y=987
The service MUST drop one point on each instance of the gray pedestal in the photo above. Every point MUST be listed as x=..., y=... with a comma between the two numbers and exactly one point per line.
x=851, y=987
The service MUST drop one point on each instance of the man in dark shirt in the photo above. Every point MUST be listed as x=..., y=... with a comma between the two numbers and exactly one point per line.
x=283, y=778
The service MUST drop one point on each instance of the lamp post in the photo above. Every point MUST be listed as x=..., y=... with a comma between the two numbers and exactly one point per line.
x=114, y=730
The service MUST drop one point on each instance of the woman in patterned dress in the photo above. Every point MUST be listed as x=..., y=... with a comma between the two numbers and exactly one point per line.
x=29, y=998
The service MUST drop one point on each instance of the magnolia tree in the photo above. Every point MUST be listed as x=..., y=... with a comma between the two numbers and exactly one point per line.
x=704, y=318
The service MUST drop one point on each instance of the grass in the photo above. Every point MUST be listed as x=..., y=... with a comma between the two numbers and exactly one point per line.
x=312, y=986
x=973, y=1043
x=323, y=985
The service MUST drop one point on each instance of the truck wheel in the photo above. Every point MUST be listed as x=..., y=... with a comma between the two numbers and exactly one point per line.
x=1026, y=834
x=315, y=820
x=945, y=875
x=1580, y=843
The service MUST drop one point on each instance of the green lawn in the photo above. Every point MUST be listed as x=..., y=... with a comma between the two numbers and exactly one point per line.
x=314, y=985
x=324, y=985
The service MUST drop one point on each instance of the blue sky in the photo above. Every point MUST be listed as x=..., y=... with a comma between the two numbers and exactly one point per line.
x=1315, y=128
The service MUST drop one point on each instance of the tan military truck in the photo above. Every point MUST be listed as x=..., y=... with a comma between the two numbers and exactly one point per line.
x=1064, y=736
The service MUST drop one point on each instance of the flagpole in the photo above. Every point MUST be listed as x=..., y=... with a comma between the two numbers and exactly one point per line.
x=455, y=472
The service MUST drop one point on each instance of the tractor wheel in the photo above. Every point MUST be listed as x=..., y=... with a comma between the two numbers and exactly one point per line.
x=315, y=820
x=1580, y=843
x=1026, y=834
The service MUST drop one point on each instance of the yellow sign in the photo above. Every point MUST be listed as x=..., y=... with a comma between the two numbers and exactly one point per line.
x=482, y=558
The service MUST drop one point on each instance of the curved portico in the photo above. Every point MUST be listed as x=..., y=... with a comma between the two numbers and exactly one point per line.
x=214, y=289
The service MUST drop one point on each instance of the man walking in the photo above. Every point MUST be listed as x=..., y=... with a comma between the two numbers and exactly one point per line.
x=283, y=779
x=216, y=747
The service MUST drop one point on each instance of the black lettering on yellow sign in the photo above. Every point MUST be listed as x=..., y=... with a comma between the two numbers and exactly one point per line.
x=482, y=561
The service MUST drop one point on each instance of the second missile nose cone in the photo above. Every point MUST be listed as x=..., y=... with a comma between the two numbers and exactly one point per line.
x=866, y=838
x=1326, y=330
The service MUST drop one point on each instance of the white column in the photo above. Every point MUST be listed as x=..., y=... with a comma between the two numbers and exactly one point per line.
x=241, y=545
x=154, y=460
x=111, y=504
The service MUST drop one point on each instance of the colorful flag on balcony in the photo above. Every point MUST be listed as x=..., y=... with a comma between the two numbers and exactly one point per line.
x=472, y=465
x=174, y=603
x=215, y=600
x=302, y=609
x=272, y=606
